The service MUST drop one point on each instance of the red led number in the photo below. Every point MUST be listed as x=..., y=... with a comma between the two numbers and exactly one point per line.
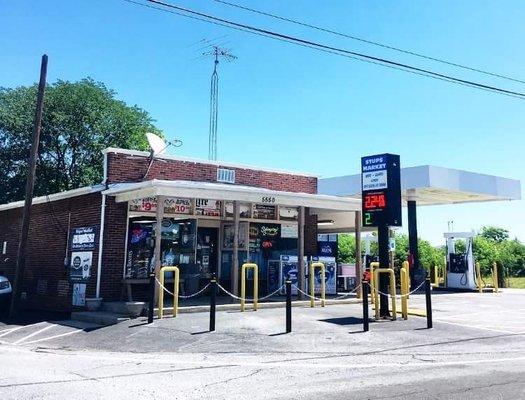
x=374, y=201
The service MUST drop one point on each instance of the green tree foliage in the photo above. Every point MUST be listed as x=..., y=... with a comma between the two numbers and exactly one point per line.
x=494, y=234
x=80, y=119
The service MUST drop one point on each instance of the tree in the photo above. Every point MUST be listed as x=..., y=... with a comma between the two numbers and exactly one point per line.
x=80, y=119
x=494, y=233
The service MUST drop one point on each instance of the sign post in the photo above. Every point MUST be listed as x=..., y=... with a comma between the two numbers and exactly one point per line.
x=381, y=208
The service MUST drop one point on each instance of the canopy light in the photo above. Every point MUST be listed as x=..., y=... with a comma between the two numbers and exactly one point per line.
x=325, y=222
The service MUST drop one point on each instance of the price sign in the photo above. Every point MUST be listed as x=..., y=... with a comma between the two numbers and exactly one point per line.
x=381, y=190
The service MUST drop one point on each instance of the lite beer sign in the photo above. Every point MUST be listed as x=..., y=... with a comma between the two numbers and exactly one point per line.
x=381, y=190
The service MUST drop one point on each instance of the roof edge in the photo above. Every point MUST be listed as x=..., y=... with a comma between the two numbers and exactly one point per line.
x=54, y=196
x=141, y=153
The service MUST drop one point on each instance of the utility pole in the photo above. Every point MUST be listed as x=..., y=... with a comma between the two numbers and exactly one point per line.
x=30, y=184
x=216, y=52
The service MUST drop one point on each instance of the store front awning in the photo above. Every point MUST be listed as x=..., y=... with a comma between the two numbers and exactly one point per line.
x=430, y=185
x=124, y=192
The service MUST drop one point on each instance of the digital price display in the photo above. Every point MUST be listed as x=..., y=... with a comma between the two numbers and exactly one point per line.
x=381, y=190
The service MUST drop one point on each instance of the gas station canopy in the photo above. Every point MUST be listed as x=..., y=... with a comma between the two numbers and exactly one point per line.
x=430, y=185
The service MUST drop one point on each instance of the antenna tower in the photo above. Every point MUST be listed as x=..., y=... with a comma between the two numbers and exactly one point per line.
x=217, y=53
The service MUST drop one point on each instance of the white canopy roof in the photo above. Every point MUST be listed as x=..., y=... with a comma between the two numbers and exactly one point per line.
x=430, y=185
x=220, y=191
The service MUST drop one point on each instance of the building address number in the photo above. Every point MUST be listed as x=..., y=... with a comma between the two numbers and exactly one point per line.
x=267, y=199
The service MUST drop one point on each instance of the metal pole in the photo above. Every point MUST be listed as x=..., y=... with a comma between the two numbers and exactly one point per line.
x=213, y=301
x=364, y=286
x=30, y=184
x=358, y=259
x=288, y=306
x=235, y=256
x=384, y=259
x=151, y=305
x=300, y=251
x=429, y=302
x=412, y=239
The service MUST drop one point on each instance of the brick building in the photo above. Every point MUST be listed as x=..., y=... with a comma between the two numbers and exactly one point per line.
x=100, y=241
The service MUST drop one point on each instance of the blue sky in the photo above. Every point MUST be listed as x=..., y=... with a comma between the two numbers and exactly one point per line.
x=290, y=107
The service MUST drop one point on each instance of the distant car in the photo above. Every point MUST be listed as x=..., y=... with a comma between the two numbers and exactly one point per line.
x=5, y=293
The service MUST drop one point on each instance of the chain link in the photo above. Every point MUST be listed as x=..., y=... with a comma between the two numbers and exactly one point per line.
x=398, y=296
x=180, y=295
x=248, y=299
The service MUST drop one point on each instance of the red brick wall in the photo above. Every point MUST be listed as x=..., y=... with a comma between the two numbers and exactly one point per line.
x=127, y=168
x=46, y=278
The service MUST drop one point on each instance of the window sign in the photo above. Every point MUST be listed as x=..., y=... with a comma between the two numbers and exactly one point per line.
x=172, y=205
x=264, y=211
x=83, y=238
x=289, y=231
x=244, y=210
x=208, y=207
x=175, y=205
x=288, y=213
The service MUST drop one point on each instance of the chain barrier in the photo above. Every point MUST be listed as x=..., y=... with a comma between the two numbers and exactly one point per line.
x=330, y=299
x=247, y=299
x=180, y=295
x=398, y=296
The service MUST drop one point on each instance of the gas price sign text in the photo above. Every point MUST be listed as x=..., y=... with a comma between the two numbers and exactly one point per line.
x=381, y=190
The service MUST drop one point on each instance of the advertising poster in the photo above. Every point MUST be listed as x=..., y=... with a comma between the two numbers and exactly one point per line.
x=80, y=267
x=288, y=213
x=83, y=238
x=288, y=270
x=289, y=231
x=330, y=275
x=208, y=207
x=273, y=275
x=79, y=294
x=172, y=205
x=263, y=211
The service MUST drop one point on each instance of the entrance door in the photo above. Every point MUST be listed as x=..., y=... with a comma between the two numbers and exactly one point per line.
x=207, y=251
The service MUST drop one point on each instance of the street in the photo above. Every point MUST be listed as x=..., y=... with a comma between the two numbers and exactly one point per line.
x=475, y=351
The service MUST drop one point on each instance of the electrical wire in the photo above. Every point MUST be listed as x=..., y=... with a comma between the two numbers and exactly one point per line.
x=345, y=35
x=181, y=11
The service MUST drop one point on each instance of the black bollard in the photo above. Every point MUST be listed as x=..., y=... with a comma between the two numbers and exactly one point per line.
x=365, y=289
x=151, y=305
x=213, y=301
x=429, y=302
x=288, y=306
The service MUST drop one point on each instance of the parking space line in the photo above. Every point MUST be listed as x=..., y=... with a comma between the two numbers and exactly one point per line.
x=479, y=327
x=53, y=337
x=33, y=334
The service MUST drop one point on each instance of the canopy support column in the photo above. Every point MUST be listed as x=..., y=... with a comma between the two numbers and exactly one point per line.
x=300, y=251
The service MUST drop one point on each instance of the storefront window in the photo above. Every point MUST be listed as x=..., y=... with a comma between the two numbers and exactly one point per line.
x=178, y=245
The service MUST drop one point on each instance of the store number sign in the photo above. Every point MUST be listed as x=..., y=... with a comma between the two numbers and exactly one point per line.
x=381, y=190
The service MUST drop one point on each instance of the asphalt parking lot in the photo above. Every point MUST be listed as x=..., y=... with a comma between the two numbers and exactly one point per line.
x=475, y=350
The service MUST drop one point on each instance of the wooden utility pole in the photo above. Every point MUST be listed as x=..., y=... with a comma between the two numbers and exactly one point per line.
x=30, y=184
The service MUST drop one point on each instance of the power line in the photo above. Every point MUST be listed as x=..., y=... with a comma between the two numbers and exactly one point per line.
x=345, y=35
x=325, y=48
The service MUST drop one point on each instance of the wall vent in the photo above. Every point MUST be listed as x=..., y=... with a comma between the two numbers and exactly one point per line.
x=225, y=175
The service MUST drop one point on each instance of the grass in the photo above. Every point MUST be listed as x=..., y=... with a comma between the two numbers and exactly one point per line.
x=517, y=282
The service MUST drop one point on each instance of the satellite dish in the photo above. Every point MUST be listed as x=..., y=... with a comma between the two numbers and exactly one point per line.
x=156, y=143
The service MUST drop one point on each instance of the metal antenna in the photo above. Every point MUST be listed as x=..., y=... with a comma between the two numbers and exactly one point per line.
x=217, y=52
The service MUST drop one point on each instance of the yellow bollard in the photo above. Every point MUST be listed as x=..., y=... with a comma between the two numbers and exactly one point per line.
x=406, y=266
x=403, y=273
x=436, y=276
x=175, y=290
x=478, y=277
x=255, y=268
x=373, y=266
x=313, y=266
x=390, y=272
x=495, y=277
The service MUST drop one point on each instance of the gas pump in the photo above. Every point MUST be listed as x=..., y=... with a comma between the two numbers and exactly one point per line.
x=460, y=270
